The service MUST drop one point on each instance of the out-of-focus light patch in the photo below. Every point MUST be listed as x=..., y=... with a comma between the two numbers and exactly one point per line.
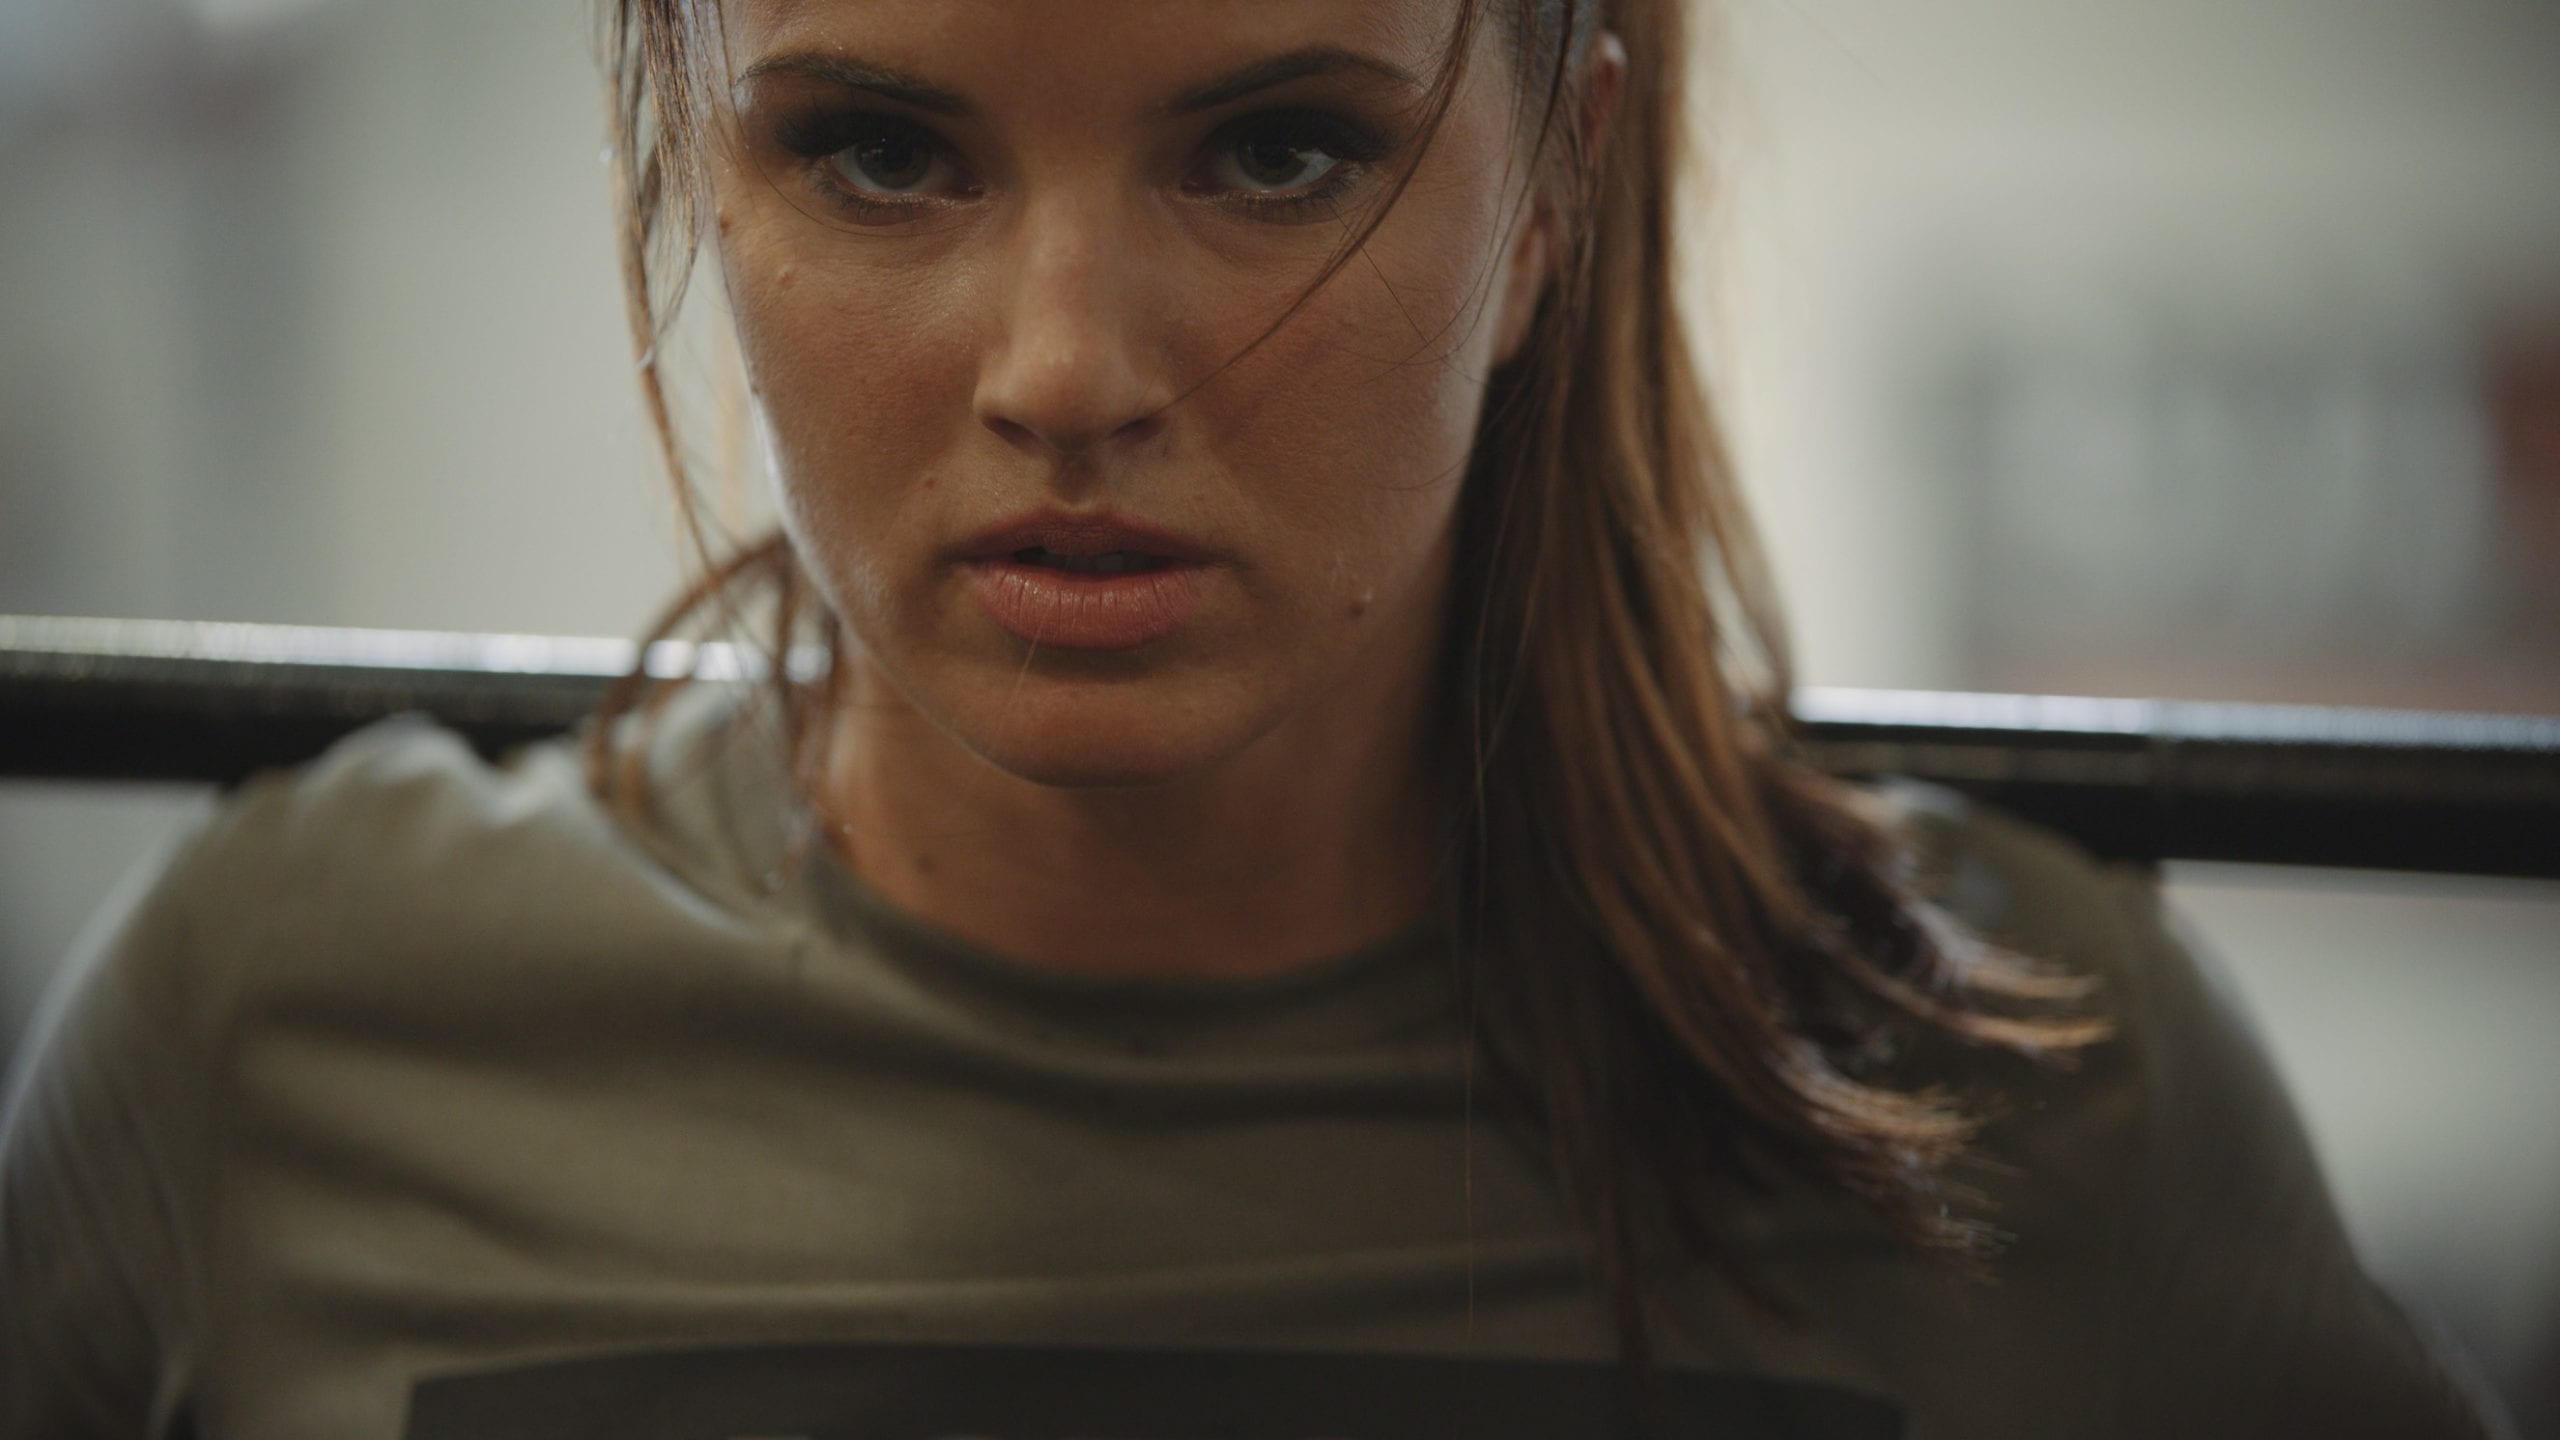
x=82, y=58
x=46, y=48
x=230, y=17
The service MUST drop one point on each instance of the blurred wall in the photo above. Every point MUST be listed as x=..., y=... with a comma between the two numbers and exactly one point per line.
x=2111, y=348
x=2197, y=296
x=310, y=314
x=2173, y=349
x=307, y=313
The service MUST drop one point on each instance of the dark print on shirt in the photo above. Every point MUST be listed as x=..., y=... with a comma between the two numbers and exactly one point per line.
x=925, y=1392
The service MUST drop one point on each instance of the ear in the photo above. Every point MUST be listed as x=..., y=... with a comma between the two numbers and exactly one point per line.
x=1538, y=240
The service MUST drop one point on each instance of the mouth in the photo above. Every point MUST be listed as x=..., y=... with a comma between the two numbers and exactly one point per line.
x=1088, y=582
x=1110, y=562
x=1084, y=544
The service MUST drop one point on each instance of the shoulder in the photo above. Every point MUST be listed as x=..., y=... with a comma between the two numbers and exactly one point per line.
x=271, y=857
x=2185, y=1076
x=397, y=859
x=113, y=1138
x=2019, y=883
x=2071, y=1141
x=2183, y=1072
x=2178, y=1021
x=396, y=832
x=2163, y=1178
x=356, y=931
x=403, y=796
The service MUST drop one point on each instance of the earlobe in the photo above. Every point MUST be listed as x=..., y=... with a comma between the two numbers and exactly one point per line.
x=1536, y=245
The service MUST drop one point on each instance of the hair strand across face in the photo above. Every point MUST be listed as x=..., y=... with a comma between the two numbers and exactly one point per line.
x=1683, y=950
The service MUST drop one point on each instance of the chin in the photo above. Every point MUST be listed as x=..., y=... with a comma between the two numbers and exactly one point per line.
x=1094, y=735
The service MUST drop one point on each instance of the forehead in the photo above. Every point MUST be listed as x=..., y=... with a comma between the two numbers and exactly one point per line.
x=1139, y=51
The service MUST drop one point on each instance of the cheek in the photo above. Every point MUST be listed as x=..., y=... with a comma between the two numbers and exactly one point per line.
x=1373, y=396
x=858, y=373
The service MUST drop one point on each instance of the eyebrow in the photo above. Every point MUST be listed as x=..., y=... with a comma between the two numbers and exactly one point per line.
x=857, y=75
x=1308, y=63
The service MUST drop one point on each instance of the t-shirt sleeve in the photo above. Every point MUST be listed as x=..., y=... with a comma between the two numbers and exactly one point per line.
x=103, y=1141
x=2250, y=1305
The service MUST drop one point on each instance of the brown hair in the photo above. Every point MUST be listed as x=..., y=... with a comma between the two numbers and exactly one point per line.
x=1682, y=950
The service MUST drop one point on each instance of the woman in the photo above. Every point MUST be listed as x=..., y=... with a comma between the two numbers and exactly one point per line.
x=1280, y=907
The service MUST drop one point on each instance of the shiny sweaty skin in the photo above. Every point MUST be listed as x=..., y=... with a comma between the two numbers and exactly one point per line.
x=993, y=262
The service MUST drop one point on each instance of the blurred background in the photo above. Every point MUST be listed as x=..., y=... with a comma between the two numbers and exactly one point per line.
x=2186, y=349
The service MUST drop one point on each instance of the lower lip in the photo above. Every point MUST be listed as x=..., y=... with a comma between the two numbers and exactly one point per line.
x=1065, y=610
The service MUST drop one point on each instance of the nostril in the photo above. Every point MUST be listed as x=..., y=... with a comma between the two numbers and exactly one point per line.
x=1068, y=433
x=1014, y=432
x=1144, y=427
x=1074, y=366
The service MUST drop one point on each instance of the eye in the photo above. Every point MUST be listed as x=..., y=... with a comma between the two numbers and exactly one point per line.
x=872, y=168
x=1270, y=162
x=879, y=156
x=1285, y=156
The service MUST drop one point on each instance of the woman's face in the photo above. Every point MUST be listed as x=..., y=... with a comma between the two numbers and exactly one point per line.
x=999, y=268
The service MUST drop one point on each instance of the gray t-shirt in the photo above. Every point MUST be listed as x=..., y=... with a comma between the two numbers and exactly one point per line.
x=412, y=1097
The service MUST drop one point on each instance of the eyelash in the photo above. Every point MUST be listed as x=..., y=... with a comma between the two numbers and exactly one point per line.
x=817, y=138
x=1354, y=148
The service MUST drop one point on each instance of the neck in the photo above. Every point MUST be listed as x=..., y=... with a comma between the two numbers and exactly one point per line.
x=1320, y=839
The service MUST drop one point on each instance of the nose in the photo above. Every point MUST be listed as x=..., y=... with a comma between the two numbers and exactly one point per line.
x=1077, y=361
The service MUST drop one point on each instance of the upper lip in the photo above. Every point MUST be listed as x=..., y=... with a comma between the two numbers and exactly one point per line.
x=1063, y=532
